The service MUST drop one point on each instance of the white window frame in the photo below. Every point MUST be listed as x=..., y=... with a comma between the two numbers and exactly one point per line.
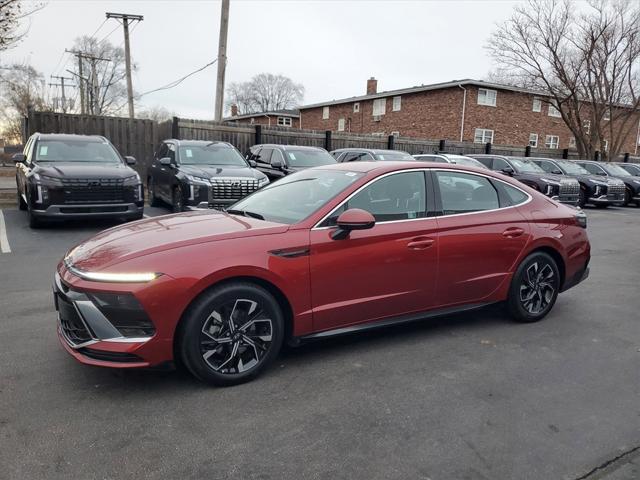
x=533, y=140
x=572, y=142
x=325, y=113
x=397, y=103
x=554, y=111
x=379, y=106
x=607, y=115
x=549, y=142
x=537, y=104
x=285, y=121
x=341, y=124
x=486, y=98
x=587, y=126
x=356, y=107
x=606, y=145
x=482, y=138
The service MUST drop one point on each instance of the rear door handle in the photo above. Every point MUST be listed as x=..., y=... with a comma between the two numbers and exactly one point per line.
x=420, y=243
x=512, y=232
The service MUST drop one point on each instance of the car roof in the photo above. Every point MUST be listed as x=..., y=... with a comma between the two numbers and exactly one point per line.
x=370, y=150
x=287, y=147
x=71, y=137
x=197, y=142
x=392, y=166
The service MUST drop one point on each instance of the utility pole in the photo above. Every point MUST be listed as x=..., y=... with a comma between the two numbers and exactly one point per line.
x=94, y=93
x=62, y=86
x=126, y=18
x=222, y=59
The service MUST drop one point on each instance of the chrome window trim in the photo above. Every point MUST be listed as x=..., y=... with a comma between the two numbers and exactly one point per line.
x=529, y=197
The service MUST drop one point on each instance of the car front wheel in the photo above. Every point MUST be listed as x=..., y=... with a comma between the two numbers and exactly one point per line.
x=231, y=334
x=534, y=288
x=177, y=201
x=151, y=193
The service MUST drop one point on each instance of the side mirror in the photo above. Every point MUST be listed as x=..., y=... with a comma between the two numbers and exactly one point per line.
x=18, y=157
x=130, y=160
x=352, y=219
x=601, y=173
x=507, y=171
x=165, y=161
x=557, y=172
x=277, y=164
x=253, y=163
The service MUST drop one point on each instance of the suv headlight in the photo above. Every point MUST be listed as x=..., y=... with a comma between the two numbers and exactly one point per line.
x=196, y=179
x=133, y=180
x=265, y=181
x=637, y=182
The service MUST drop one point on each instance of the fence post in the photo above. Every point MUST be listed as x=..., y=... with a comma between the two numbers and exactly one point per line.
x=442, y=145
x=25, y=129
x=487, y=148
x=258, y=134
x=175, y=128
x=391, y=142
x=565, y=153
x=327, y=140
x=596, y=156
x=527, y=151
x=626, y=158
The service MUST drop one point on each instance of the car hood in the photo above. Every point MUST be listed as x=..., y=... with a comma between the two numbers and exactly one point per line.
x=209, y=171
x=84, y=170
x=538, y=176
x=166, y=232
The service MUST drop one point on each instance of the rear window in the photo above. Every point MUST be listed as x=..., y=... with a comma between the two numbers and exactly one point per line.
x=394, y=156
x=75, y=151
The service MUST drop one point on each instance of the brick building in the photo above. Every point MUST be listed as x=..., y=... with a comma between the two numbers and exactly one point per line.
x=276, y=118
x=461, y=110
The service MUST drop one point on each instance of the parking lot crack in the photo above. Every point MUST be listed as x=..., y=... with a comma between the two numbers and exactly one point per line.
x=618, y=460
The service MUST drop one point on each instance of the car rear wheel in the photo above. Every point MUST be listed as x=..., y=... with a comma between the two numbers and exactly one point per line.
x=231, y=334
x=151, y=193
x=177, y=201
x=534, y=288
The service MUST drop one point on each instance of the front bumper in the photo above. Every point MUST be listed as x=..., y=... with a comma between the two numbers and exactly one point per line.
x=126, y=210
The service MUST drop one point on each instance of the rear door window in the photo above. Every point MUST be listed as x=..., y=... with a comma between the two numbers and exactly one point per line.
x=464, y=193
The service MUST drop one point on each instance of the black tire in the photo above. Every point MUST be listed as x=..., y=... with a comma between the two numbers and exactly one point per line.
x=627, y=197
x=582, y=199
x=151, y=193
x=534, y=288
x=22, y=205
x=177, y=202
x=214, y=348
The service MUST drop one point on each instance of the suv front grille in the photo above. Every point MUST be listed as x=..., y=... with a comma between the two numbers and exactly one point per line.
x=615, y=191
x=569, y=191
x=93, y=190
x=231, y=188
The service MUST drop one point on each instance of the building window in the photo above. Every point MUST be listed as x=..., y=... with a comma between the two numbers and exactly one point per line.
x=554, y=111
x=341, y=125
x=606, y=145
x=356, y=107
x=487, y=97
x=587, y=126
x=284, y=121
x=537, y=104
x=395, y=134
x=607, y=115
x=533, y=140
x=325, y=113
x=552, y=141
x=483, y=135
x=572, y=142
x=379, y=105
x=397, y=104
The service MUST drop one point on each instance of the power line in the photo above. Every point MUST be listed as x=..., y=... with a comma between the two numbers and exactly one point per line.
x=177, y=82
x=98, y=29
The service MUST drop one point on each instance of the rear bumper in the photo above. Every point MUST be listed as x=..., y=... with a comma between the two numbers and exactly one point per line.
x=127, y=210
x=579, y=277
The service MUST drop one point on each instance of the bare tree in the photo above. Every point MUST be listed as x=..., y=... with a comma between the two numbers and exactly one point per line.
x=156, y=113
x=587, y=63
x=265, y=92
x=110, y=96
x=12, y=12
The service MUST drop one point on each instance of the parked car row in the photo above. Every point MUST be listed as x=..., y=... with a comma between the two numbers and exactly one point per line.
x=78, y=176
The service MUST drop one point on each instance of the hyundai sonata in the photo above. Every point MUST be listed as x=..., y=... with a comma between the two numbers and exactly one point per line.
x=324, y=251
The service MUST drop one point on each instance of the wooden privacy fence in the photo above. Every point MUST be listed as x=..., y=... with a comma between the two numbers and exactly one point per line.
x=139, y=137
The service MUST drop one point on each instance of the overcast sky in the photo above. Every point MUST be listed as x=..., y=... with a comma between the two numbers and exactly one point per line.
x=329, y=46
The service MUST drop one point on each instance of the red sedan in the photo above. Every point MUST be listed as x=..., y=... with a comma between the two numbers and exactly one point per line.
x=325, y=251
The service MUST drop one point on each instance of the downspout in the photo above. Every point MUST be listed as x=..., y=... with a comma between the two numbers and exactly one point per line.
x=464, y=105
x=637, y=138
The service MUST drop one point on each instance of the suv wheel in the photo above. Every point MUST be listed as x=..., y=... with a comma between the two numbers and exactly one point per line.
x=582, y=199
x=231, y=334
x=177, y=200
x=22, y=205
x=151, y=193
x=534, y=288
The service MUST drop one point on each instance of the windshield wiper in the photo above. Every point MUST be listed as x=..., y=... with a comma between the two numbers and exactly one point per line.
x=245, y=213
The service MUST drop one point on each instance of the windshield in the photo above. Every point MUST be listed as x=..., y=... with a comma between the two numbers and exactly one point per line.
x=614, y=170
x=296, y=196
x=75, y=151
x=571, y=168
x=394, y=156
x=212, y=154
x=308, y=158
x=525, y=166
x=632, y=169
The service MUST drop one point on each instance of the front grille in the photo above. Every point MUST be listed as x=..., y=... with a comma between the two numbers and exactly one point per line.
x=121, y=357
x=72, y=325
x=231, y=188
x=569, y=191
x=615, y=191
x=93, y=190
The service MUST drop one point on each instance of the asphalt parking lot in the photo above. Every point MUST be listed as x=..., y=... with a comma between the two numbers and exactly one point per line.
x=470, y=396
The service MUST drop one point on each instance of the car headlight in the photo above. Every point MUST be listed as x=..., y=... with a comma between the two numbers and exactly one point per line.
x=133, y=179
x=549, y=181
x=196, y=179
x=263, y=181
x=637, y=182
x=137, y=277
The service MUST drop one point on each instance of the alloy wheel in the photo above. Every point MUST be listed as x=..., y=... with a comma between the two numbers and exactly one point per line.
x=537, y=287
x=236, y=336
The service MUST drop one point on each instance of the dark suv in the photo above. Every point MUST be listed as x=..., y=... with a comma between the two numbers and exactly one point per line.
x=611, y=170
x=277, y=161
x=192, y=174
x=76, y=176
x=561, y=188
x=370, y=155
x=632, y=168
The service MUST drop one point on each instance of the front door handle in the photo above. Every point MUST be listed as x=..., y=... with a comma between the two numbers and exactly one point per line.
x=420, y=243
x=512, y=232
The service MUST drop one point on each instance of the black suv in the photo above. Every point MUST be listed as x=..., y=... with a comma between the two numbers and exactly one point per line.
x=76, y=176
x=596, y=190
x=611, y=170
x=632, y=168
x=370, y=155
x=192, y=174
x=561, y=188
x=277, y=161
